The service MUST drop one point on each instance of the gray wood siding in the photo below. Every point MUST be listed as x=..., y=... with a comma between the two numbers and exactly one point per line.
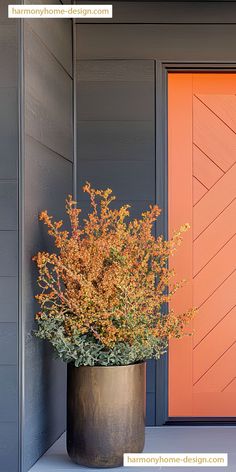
x=49, y=97
x=48, y=169
x=9, y=446
x=8, y=242
x=208, y=12
x=45, y=377
x=164, y=42
x=116, y=142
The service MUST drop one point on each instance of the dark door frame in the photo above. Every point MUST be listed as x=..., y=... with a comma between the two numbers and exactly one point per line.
x=162, y=70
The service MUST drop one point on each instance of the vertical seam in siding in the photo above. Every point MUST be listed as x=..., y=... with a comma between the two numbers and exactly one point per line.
x=74, y=70
x=20, y=242
x=155, y=187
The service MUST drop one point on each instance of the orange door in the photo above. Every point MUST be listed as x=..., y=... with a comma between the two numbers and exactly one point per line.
x=202, y=192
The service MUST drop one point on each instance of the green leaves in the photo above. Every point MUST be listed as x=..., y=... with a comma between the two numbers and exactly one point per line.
x=86, y=350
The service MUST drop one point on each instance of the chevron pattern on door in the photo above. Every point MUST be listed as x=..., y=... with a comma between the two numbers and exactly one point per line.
x=202, y=191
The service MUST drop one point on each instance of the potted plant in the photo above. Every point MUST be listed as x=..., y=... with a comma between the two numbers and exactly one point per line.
x=103, y=294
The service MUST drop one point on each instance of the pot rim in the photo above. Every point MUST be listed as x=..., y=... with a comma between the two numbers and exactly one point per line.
x=71, y=364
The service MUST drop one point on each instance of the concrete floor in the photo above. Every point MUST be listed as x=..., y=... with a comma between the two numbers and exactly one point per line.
x=159, y=439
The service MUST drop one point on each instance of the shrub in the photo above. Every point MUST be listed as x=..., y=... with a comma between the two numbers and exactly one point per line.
x=105, y=290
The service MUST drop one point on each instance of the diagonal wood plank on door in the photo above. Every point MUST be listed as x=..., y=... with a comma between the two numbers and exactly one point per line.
x=230, y=386
x=217, y=304
x=212, y=136
x=198, y=190
x=214, y=273
x=219, y=374
x=223, y=106
x=208, y=350
x=204, y=169
x=214, y=202
x=207, y=244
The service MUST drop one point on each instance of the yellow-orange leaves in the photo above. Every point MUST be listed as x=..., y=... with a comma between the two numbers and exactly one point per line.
x=109, y=277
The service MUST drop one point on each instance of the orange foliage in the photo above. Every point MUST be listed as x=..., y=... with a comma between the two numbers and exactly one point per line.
x=109, y=277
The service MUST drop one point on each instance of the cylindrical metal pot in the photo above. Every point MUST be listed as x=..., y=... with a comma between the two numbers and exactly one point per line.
x=105, y=413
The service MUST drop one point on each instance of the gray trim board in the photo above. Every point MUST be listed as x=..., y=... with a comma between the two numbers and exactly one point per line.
x=162, y=227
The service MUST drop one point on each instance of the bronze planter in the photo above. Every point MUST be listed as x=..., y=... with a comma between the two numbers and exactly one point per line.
x=105, y=413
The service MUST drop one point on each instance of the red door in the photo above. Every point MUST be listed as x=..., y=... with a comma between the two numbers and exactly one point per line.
x=202, y=192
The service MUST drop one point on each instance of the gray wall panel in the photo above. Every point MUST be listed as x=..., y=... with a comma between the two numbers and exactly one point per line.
x=150, y=409
x=112, y=140
x=48, y=384
x=110, y=101
x=131, y=180
x=151, y=372
x=8, y=253
x=116, y=142
x=8, y=343
x=9, y=447
x=49, y=189
x=115, y=71
x=8, y=55
x=8, y=205
x=57, y=39
x=48, y=98
x=4, y=11
x=170, y=12
x=44, y=376
x=48, y=170
x=163, y=42
x=8, y=393
x=8, y=132
x=8, y=299
x=8, y=241
x=111, y=86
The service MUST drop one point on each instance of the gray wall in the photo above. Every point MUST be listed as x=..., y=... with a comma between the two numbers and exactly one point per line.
x=116, y=141
x=47, y=180
x=8, y=242
x=42, y=174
